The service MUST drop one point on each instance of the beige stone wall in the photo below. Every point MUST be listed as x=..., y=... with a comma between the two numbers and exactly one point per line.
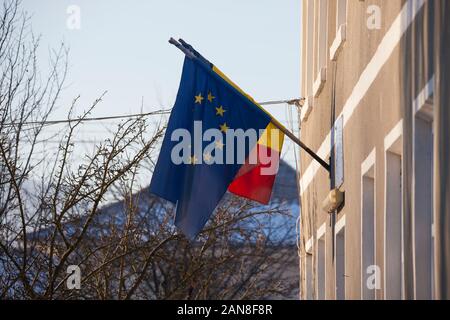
x=375, y=116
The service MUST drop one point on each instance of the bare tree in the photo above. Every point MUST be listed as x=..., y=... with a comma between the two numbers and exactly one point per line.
x=245, y=251
x=55, y=212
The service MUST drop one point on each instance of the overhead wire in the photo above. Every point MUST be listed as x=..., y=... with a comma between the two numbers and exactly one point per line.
x=128, y=116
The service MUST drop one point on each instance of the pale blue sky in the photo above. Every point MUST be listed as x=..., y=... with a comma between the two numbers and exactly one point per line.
x=122, y=47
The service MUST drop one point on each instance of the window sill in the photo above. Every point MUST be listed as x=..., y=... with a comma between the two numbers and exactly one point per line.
x=306, y=109
x=338, y=42
x=320, y=82
x=423, y=107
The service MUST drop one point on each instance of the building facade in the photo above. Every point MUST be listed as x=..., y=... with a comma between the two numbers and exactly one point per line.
x=369, y=76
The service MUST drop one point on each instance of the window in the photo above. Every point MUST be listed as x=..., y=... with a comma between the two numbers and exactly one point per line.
x=321, y=31
x=309, y=61
x=423, y=206
x=340, y=259
x=309, y=276
x=321, y=263
x=341, y=16
x=341, y=25
x=423, y=197
x=393, y=275
x=367, y=223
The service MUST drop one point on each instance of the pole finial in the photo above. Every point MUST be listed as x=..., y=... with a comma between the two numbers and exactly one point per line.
x=185, y=50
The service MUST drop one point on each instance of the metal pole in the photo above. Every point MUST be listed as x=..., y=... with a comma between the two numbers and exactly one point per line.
x=187, y=52
x=302, y=145
x=277, y=124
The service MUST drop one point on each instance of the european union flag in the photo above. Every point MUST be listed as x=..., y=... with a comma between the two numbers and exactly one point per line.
x=208, y=99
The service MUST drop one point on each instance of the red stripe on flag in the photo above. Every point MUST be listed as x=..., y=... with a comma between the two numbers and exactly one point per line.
x=255, y=180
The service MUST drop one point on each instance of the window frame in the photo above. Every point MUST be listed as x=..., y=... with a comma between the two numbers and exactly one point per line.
x=368, y=171
x=393, y=147
x=341, y=29
x=339, y=235
x=320, y=46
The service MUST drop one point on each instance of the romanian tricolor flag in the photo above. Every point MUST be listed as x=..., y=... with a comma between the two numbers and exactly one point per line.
x=255, y=181
x=207, y=99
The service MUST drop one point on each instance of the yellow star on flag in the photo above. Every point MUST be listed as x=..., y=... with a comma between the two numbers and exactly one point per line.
x=193, y=160
x=210, y=97
x=224, y=128
x=219, y=144
x=199, y=98
x=207, y=156
x=220, y=111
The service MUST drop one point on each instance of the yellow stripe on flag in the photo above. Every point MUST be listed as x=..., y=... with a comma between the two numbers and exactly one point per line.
x=231, y=83
x=272, y=138
x=234, y=85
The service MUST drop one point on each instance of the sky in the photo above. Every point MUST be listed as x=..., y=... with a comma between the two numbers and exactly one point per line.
x=121, y=47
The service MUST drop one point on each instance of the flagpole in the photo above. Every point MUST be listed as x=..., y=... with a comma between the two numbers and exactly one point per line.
x=302, y=145
x=186, y=49
x=187, y=52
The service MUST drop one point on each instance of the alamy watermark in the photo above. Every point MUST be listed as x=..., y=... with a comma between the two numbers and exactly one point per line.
x=73, y=21
x=373, y=279
x=214, y=146
x=74, y=277
x=374, y=19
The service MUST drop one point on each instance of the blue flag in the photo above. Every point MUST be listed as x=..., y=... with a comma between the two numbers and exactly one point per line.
x=205, y=100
